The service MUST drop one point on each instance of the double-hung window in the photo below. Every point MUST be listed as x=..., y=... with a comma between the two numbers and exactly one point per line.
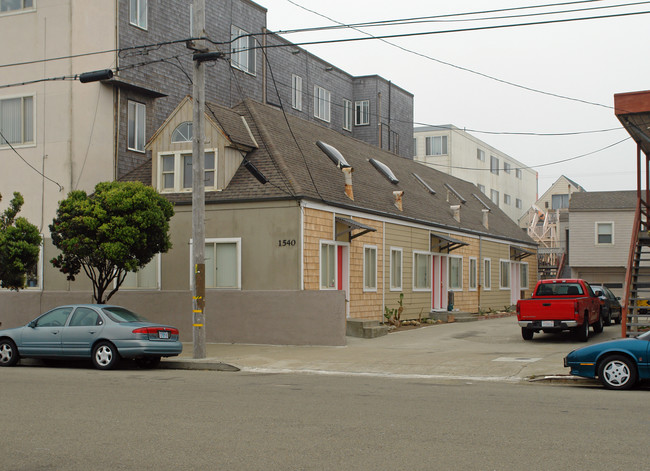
x=421, y=271
x=175, y=171
x=138, y=13
x=347, y=115
x=480, y=155
x=455, y=273
x=560, y=201
x=507, y=199
x=17, y=120
x=473, y=273
x=145, y=278
x=242, y=56
x=494, y=165
x=506, y=167
x=327, y=266
x=362, y=113
x=322, y=103
x=504, y=274
x=436, y=145
x=494, y=196
x=369, y=268
x=396, y=269
x=136, y=125
x=296, y=92
x=604, y=233
x=487, y=274
x=15, y=5
x=523, y=275
x=223, y=263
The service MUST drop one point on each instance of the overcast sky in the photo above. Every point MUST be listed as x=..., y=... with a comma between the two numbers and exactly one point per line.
x=584, y=60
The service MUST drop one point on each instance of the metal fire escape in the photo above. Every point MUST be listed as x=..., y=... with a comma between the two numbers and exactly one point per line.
x=544, y=228
x=633, y=111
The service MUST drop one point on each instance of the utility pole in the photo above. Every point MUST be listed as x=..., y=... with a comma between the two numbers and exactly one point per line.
x=198, y=183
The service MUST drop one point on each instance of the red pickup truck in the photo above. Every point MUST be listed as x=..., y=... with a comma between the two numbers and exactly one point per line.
x=560, y=304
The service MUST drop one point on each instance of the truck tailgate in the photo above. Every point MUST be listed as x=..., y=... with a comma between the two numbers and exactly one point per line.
x=547, y=309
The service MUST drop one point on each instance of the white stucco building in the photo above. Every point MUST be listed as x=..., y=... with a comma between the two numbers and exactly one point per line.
x=506, y=181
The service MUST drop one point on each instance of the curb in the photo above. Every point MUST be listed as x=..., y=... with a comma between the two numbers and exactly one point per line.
x=197, y=366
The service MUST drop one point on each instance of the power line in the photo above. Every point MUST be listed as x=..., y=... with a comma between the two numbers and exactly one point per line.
x=28, y=164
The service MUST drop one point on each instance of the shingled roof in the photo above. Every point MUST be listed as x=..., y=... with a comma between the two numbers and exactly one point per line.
x=603, y=201
x=297, y=168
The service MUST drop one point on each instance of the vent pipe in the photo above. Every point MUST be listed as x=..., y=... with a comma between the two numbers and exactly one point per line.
x=347, y=172
x=398, y=199
x=455, y=209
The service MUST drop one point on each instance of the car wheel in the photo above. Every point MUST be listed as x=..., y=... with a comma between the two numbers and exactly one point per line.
x=606, y=315
x=8, y=353
x=598, y=326
x=527, y=333
x=619, y=318
x=105, y=356
x=147, y=362
x=582, y=331
x=617, y=372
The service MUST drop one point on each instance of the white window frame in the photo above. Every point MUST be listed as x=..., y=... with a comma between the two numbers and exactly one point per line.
x=480, y=155
x=481, y=188
x=494, y=165
x=523, y=267
x=136, y=113
x=507, y=199
x=428, y=256
x=334, y=268
x=322, y=103
x=473, y=273
x=599, y=224
x=504, y=269
x=138, y=12
x=370, y=275
x=494, y=196
x=179, y=171
x=518, y=173
x=21, y=9
x=23, y=128
x=487, y=274
x=155, y=260
x=242, y=53
x=362, y=113
x=506, y=167
x=518, y=203
x=188, y=128
x=396, y=285
x=347, y=114
x=296, y=92
x=38, y=285
x=451, y=286
x=216, y=240
x=433, y=142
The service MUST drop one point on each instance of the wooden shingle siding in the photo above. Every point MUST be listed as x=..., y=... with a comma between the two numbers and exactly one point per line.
x=366, y=304
x=318, y=225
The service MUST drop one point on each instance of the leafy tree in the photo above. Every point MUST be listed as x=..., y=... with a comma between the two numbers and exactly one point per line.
x=117, y=229
x=20, y=244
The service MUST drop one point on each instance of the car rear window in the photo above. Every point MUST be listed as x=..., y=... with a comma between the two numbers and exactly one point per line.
x=559, y=289
x=120, y=314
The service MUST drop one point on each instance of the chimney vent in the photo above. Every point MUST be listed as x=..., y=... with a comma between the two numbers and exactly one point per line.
x=455, y=209
x=485, y=217
x=398, y=199
x=347, y=172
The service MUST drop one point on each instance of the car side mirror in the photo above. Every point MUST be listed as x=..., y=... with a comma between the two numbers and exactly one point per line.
x=599, y=293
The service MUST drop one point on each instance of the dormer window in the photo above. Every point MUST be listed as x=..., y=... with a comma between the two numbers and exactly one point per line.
x=175, y=171
x=183, y=132
x=385, y=170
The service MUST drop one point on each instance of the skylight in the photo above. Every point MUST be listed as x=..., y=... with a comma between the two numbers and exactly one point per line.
x=383, y=168
x=481, y=201
x=425, y=184
x=450, y=188
x=333, y=153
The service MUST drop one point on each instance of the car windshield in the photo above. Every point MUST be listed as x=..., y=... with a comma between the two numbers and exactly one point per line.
x=120, y=315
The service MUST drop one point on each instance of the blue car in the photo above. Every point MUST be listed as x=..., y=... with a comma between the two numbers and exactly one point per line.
x=100, y=332
x=618, y=364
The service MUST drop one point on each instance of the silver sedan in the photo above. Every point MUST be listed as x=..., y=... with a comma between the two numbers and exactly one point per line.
x=101, y=332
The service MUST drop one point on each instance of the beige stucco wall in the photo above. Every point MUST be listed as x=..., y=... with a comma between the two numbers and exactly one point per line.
x=73, y=122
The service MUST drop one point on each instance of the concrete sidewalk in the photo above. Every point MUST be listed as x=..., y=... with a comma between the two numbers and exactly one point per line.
x=489, y=350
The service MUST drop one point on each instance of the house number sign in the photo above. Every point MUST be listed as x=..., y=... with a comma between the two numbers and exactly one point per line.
x=287, y=243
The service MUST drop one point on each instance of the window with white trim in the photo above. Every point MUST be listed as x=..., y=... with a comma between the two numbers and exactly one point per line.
x=395, y=269
x=481, y=188
x=506, y=167
x=175, y=171
x=518, y=203
x=507, y=199
x=369, y=268
x=421, y=271
x=518, y=173
x=138, y=13
x=296, y=92
x=487, y=274
x=136, y=125
x=560, y=201
x=15, y=5
x=523, y=275
x=473, y=273
x=504, y=274
x=494, y=196
x=223, y=263
x=322, y=103
x=362, y=113
x=436, y=145
x=455, y=272
x=480, y=155
x=604, y=233
x=17, y=120
x=242, y=54
x=327, y=266
x=145, y=278
x=183, y=132
x=347, y=115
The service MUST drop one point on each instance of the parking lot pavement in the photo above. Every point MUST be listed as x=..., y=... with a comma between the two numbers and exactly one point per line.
x=490, y=350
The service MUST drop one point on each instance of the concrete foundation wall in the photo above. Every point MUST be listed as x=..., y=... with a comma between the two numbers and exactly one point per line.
x=256, y=317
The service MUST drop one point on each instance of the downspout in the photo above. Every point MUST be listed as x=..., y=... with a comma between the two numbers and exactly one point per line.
x=379, y=138
x=301, y=262
x=390, y=89
x=480, y=270
x=264, y=65
x=116, y=94
x=383, y=272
